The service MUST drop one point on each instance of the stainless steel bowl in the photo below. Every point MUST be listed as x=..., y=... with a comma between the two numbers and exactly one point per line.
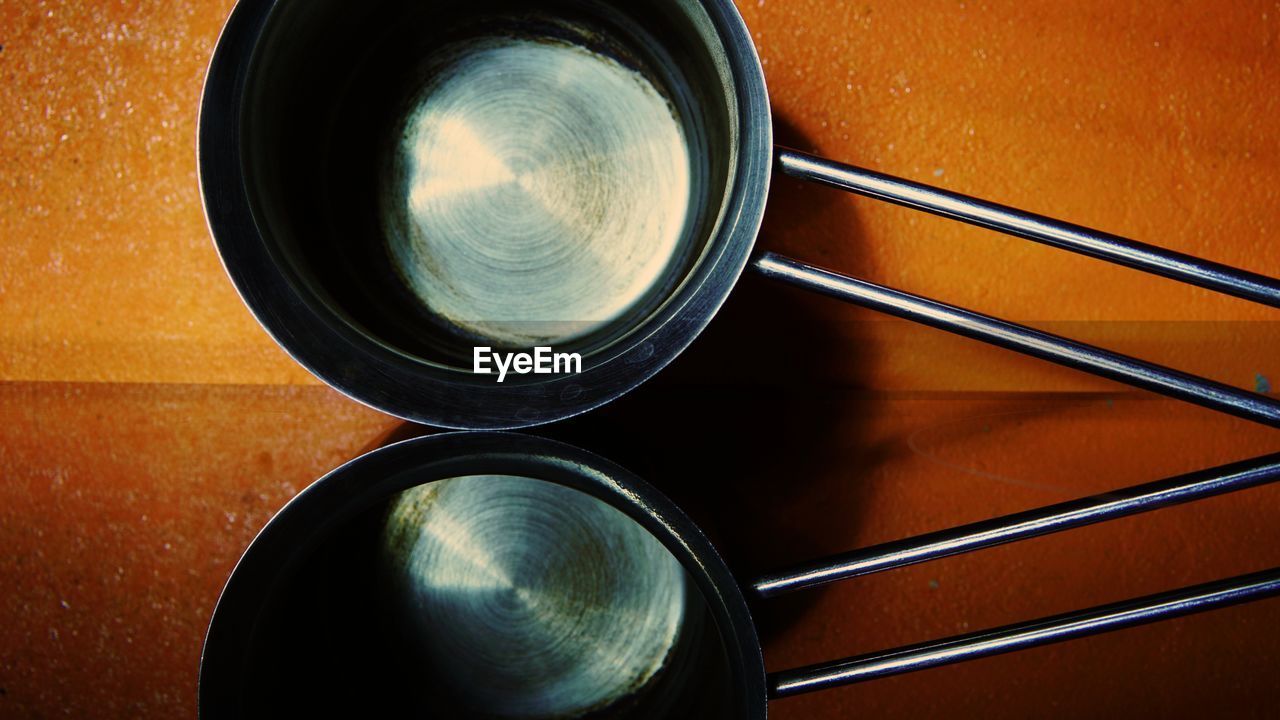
x=391, y=184
x=481, y=576
x=493, y=575
x=394, y=184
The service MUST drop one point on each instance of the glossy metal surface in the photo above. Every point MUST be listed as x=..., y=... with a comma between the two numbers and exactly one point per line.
x=1020, y=526
x=1068, y=626
x=539, y=581
x=531, y=599
x=549, y=202
x=1094, y=243
x=589, y=174
x=1046, y=346
x=536, y=191
x=515, y=577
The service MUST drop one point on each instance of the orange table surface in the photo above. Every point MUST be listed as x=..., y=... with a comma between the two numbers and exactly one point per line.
x=148, y=426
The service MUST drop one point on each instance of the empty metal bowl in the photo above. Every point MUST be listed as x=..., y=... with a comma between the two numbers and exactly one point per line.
x=493, y=575
x=393, y=184
x=481, y=576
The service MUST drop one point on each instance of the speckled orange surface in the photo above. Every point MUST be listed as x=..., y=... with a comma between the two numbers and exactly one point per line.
x=148, y=427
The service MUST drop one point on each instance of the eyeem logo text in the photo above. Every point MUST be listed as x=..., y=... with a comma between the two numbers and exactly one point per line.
x=542, y=361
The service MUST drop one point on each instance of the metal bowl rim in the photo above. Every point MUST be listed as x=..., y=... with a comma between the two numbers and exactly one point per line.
x=369, y=372
x=371, y=478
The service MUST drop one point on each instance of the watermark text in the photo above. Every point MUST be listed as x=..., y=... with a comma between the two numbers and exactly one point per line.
x=542, y=361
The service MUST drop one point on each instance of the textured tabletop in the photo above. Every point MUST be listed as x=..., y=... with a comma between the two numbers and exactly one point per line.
x=149, y=427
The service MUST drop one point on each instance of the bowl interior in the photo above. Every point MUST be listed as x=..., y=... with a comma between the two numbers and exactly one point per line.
x=483, y=596
x=440, y=176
